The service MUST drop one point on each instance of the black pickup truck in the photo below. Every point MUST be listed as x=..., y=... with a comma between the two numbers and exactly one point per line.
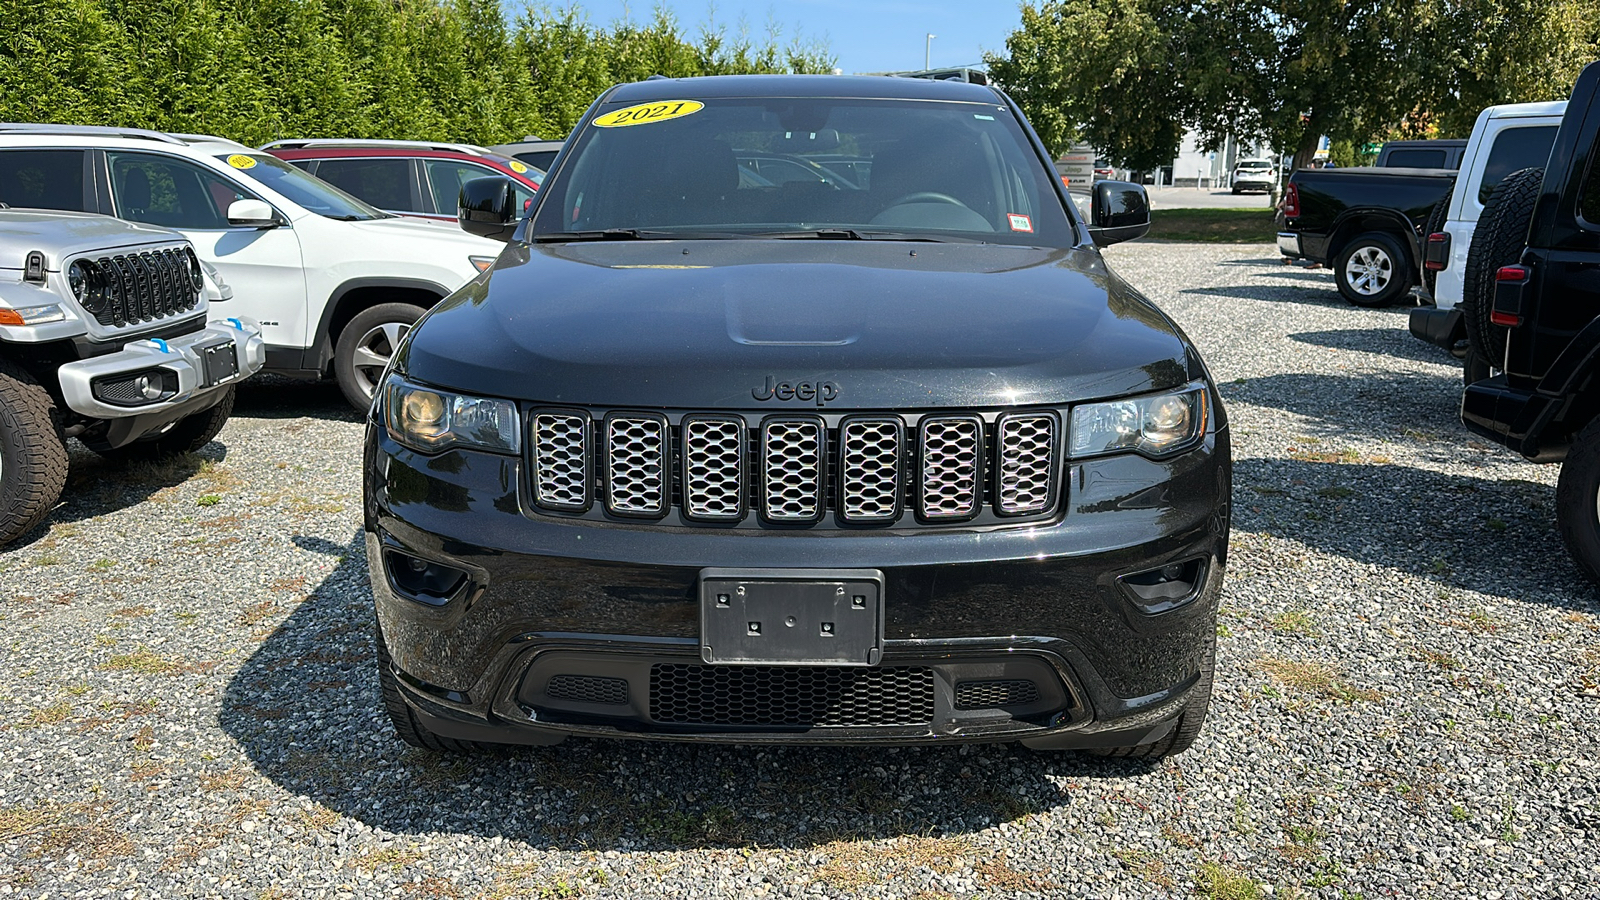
x=1544, y=325
x=1365, y=223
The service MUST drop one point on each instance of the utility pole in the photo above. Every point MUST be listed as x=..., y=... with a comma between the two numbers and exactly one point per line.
x=927, y=53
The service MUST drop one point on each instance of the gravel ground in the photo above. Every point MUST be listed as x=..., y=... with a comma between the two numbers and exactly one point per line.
x=1406, y=700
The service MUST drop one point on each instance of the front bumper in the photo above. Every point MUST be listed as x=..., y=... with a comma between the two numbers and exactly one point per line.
x=563, y=627
x=182, y=358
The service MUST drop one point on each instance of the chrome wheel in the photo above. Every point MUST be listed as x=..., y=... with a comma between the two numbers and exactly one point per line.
x=1369, y=270
x=373, y=351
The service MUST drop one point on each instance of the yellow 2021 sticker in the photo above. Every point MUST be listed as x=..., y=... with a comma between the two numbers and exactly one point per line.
x=518, y=167
x=240, y=161
x=649, y=113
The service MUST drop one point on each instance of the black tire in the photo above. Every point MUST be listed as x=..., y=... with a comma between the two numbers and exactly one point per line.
x=1383, y=276
x=1497, y=241
x=1436, y=220
x=33, y=455
x=404, y=720
x=1578, y=501
x=187, y=435
x=366, y=344
x=1236, y=192
x=1183, y=735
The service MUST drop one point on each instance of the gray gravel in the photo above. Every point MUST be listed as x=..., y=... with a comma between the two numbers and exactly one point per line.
x=1406, y=701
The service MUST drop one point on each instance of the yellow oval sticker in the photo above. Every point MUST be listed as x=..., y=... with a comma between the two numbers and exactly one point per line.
x=518, y=167
x=240, y=161
x=649, y=113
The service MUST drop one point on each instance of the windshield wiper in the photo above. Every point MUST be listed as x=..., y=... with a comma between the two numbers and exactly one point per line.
x=856, y=234
x=608, y=234
x=356, y=217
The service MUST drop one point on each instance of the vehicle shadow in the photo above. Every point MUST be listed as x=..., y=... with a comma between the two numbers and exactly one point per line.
x=277, y=397
x=304, y=707
x=1320, y=294
x=1464, y=531
x=1396, y=342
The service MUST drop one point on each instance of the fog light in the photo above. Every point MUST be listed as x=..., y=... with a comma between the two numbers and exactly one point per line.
x=422, y=580
x=148, y=388
x=1165, y=587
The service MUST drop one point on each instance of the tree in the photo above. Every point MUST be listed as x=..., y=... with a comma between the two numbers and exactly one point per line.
x=1131, y=75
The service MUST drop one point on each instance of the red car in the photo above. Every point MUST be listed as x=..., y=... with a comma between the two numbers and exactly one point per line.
x=411, y=178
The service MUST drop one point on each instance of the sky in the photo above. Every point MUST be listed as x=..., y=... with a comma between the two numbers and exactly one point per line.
x=865, y=35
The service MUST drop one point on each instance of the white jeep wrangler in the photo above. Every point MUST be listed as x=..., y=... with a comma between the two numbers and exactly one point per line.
x=104, y=337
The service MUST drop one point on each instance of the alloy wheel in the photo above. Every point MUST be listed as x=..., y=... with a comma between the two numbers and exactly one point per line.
x=1368, y=271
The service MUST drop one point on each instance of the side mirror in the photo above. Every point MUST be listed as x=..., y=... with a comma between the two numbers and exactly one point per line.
x=1118, y=211
x=252, y=214
x=488, y=208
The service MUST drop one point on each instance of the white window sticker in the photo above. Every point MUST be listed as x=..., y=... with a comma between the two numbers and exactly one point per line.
x=1020, y=222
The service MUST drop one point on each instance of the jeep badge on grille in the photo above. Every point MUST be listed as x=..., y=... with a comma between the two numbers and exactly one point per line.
x=820, y=391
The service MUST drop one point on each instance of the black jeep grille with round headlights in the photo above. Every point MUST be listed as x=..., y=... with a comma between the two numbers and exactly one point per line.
x=855, y=470
x=134, y=288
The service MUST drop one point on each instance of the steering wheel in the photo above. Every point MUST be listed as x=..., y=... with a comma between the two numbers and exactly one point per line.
x=925, y=196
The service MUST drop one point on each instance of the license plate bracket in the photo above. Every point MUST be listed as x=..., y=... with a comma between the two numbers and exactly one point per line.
x=219, y=361
x=791, y=617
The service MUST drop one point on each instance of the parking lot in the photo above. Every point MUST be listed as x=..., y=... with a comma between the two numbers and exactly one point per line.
x=1408, y=680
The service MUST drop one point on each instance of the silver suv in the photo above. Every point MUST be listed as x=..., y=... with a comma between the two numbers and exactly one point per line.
x=104, y=337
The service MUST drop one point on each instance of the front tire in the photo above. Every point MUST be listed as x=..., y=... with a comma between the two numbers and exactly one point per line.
x=33, y=456
x=365, y=346
x=1578, y=501
x=1371, y=270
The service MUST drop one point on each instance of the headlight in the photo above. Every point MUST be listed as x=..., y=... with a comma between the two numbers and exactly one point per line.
x=1154, y=425
x=78, y=279
x=197, y=276
x=429, y=420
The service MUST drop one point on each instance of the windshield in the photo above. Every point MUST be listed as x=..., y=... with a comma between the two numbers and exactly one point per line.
x=794, y=167
x=314, y=194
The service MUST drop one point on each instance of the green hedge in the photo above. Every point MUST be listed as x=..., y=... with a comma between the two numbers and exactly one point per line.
x=259, y=70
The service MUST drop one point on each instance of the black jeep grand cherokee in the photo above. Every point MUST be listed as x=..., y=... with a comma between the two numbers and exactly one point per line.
x=879, y=457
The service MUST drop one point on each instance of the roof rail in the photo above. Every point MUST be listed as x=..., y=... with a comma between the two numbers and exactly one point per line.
x=473, y=149
x=206, y=139
x=87, y=131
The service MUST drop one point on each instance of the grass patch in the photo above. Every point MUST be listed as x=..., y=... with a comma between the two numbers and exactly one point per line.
x=1294, y=621
x=54, y=714
x=1218, y=226
x=144, y=662
x=1220, y=883
x=1315, y=678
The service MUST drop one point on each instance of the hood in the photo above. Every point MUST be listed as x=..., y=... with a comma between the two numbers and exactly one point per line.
x=430, y=230
x=60, y=235
x=729, y=324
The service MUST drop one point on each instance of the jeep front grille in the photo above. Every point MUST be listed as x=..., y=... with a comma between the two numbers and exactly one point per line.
x=134, y=288
x=855, y=470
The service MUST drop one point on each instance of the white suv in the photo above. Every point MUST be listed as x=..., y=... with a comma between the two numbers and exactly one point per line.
x=334, y=282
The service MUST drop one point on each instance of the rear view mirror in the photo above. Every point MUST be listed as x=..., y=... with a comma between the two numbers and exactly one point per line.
x=488, y=208
x=1118, y=211
x=252, y=214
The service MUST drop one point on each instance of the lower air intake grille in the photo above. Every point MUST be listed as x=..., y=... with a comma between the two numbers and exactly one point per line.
x=991, y=694
x=588, y=689
x=791, y=696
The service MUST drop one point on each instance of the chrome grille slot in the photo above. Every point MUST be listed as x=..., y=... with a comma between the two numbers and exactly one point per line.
x=713, y=469
x=950, y=478
x=560, y=449
x=792, y=459
x=636, y=464
x=1027, y=450
x=869, y=469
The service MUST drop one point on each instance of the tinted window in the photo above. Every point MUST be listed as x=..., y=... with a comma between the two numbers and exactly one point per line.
x=1589, y=202
x=1416, y=159
x=42, y=179
x=448, y=175
x=1514, y=149
x=962, y=170
x=163, y=190
x=539, y=159
x=385, y=183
